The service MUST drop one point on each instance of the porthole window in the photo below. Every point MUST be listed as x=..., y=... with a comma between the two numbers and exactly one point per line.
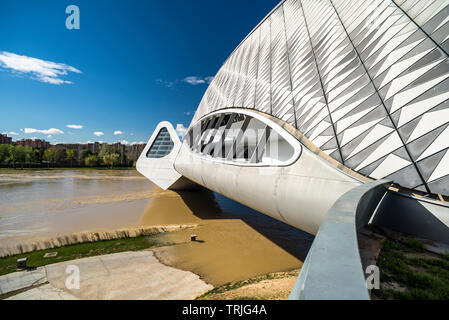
x=240, y=139
x=161, y=146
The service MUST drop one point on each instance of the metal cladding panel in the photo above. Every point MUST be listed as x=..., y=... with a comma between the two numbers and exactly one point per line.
x=263, y=84
x=432, y=16
x=366, y=81
x=249, y=90
x=281, y=88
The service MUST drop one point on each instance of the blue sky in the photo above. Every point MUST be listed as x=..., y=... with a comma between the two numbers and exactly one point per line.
x=124, y=70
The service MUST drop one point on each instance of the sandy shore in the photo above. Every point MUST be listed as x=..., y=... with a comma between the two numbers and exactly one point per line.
x=31, y=245
x=272, y=286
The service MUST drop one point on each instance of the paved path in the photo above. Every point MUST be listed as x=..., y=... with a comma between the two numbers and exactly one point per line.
x=44, y=292
x=126, y=275
x=23, y=279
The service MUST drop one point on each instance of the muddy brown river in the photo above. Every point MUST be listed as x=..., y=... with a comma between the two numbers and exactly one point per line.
x=234, y=242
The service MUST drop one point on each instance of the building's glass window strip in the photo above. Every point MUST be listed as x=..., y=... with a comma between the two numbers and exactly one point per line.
x=213, y=135
x=161, y=146
x=219, y=149
x=238, y=138
x=259, y=151
x=236, y=141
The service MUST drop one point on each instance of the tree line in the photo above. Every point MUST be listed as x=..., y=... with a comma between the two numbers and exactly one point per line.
x=17, y=156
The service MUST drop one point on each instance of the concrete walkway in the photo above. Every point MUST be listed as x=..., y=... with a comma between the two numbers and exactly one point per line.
x=127, y=275
x=23, y=279
x=44, y=292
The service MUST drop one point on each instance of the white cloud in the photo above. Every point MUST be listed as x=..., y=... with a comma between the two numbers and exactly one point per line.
x=130, y=144
x=49, y=131
x=181, y=130
x=118, y=132
x=167, y=84
x=54, y=80
x=37, y=69
x=193, y=80
x=12, y=133
x=49, y=136
x=98, y=133
x=74, y=126
x=123, y=142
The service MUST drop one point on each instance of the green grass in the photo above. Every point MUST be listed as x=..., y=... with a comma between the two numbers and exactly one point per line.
x=424, y=277
x=88, y=249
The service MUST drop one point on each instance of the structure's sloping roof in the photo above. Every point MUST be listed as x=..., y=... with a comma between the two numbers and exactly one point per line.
x=365, y=81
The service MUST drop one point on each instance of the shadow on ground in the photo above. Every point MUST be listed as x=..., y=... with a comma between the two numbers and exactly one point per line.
x=206, y=204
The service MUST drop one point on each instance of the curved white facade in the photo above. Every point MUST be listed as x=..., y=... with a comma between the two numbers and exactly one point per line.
x=299, y=193
x=345, y=91
x=321, y=97
x=367, y=82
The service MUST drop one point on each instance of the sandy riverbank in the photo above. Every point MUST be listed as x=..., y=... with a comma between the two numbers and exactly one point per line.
x=272, y=286
x=31, y=245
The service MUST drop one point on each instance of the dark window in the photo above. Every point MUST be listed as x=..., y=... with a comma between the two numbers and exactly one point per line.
x=161, y=146
x=239, y=138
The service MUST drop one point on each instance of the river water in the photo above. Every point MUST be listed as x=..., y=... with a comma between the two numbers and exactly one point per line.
x=39, y=203
x=236, y=242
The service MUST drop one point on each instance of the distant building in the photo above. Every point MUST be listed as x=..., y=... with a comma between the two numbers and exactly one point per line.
x=94, y=147
x=136, y=148
x=70, y=146
x=119, y=146
x=33, y=143
x=132, y=152
x=4, y=139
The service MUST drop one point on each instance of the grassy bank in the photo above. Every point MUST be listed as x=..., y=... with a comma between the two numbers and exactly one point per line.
x=77, y=251
x=408, y=271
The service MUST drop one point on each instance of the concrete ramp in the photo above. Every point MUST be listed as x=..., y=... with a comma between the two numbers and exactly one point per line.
x=123, y=276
